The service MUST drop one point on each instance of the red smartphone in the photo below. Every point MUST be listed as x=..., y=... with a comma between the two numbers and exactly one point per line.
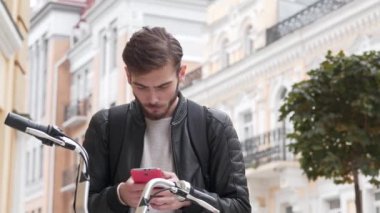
x=143, y=175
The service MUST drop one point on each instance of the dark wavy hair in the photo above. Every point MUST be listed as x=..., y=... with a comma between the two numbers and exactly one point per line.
x=151, y=48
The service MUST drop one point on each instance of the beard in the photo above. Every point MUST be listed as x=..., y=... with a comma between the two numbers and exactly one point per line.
x=157, y=116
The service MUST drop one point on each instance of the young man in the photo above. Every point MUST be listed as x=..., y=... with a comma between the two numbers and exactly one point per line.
x=156, y=134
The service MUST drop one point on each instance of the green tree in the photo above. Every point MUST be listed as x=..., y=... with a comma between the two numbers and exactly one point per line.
x=336, y=120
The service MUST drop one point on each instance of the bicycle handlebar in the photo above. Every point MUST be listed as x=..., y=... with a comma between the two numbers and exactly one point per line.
x=52, y=135
x=182, y=189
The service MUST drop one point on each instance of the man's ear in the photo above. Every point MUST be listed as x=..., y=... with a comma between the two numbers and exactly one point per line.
x=128, y=74
x=182, y=73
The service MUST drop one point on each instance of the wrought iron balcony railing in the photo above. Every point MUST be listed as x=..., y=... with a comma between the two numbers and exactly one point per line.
x=303, y=18
x=265, y=148
x=79, y=108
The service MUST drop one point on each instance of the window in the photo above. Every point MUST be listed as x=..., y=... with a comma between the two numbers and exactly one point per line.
x=224, y=56
x=248, y=41
x=103, y=49
x=41, y=161
x=32, y=76
x=44, y=70
x=377, y=201
x=289, y=209
x=333, y=206
x=33, y=168
x=87, y=85
x=27, y=167
x=113, y=49
x=108, y=48
x=246, y=131
x=36, y=81
x=34, y=165
x=278, y=101
x=247, y=125
x=38, y=77
x=80, y=87
x=80, y=92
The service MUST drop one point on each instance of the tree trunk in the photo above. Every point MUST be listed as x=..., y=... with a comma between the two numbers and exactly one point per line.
x=358, y=194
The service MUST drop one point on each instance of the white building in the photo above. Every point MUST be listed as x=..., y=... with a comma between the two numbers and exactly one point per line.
x=94, y=69
x=254, y=56
x=244, y=55
x=51, y=24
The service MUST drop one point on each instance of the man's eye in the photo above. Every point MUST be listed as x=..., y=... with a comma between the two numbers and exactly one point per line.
x=163, y=86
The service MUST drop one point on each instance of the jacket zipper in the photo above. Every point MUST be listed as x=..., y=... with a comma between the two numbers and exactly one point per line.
x=173, y=153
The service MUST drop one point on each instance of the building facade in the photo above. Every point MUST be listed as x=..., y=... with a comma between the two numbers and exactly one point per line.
x=14, y=26
x=256, y=51
x=51, y=26
x=242, y=56
x=76, y=70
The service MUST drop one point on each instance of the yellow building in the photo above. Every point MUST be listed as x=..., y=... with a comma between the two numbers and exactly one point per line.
x=13, y=69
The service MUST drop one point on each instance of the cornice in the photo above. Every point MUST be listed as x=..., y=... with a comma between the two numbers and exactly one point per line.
x=348, y=21
x=98, y=9
x=179, y=3
x=10, y=36
x=51, y=7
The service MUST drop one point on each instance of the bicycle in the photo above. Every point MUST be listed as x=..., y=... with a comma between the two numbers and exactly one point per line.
x=51, y=135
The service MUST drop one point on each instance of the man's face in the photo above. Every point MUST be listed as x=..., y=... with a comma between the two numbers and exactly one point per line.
x=157, y=90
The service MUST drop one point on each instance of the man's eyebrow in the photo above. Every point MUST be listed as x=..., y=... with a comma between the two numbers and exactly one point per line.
x=138, y=84
x=161, y=85
x=164, y=84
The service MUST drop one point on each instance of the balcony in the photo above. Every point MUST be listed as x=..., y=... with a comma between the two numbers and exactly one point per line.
x=304, y=17
x=192, y=77
x=76, y=114
x=266, y=148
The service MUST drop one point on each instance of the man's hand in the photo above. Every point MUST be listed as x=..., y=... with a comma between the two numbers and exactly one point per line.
x=166, y=200
x=130, y=192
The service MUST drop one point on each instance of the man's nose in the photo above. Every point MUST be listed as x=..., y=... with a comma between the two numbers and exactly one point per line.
x=153, y=97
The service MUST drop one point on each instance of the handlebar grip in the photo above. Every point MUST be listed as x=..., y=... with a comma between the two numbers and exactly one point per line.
x=203, y=196
x=21, y=123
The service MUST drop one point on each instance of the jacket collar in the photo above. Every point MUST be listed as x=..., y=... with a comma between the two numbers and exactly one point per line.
x=179, y=114
x=181, y=110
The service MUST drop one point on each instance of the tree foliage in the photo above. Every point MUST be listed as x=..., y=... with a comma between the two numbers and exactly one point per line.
x=336, y=118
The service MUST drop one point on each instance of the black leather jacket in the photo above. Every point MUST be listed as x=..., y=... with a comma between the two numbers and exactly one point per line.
x=228, y=184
